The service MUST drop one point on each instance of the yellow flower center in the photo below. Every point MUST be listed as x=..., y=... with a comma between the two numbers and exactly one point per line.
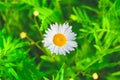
x=59, y=39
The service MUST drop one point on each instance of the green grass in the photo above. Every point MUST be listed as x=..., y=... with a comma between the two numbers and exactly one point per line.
x=96, y=23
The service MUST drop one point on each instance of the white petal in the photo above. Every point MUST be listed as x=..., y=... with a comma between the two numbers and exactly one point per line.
x=55, y=28
x=51, y=47
x=48, y=31
x=65, y=49
x=70, y=36
x=68, y=30
x=64, y=28
x=60, y=28
x=72, y=43
x=56, y=50
x=61, y=51
x=50, y=34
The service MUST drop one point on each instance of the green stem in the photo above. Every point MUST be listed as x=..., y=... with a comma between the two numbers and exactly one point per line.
x=37, y=26
x=38, y=46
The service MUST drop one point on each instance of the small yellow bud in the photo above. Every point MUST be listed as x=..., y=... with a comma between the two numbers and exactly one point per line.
x=71, y=79
x=23, y=35
x=95, y=76
x=36, y=13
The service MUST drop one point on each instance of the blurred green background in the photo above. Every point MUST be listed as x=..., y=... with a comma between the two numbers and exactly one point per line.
x=23, y=56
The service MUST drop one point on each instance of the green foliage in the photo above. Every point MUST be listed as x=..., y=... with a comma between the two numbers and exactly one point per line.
x=96, y=23
x=10, y=53
x=14, y=60
x=2, y=6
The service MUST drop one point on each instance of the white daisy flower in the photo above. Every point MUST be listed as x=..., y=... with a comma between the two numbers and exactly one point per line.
x=60, y=39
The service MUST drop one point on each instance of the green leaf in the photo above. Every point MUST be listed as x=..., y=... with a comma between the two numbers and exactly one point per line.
x=46, y=58
x=97, y=47
x=45, y=78
x=3, y=6
x=60, y=74
x=13, y=72
x=116, y=73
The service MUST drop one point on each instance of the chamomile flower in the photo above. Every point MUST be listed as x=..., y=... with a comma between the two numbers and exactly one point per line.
x=60, y=39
